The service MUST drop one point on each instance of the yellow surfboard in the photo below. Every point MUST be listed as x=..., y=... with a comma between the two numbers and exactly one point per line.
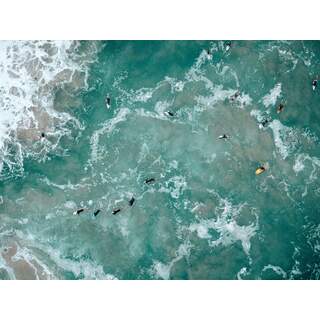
x=260, y=170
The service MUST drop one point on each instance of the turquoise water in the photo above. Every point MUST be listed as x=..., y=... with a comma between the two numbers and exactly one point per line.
x=207, y=215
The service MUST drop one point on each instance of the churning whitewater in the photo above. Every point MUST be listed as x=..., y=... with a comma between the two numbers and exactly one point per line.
x=159, y=160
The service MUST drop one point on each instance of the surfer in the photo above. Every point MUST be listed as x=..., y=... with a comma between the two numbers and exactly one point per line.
x=115, y=211
x=78, y=211
x=280, y=108
x=150, y=180
x=108, y=102
x=260, y=170
x=235, y=96
x=171, y=114
x=209, y=55
x=223, y=136
x=263, y=123
x=314, y=84
x=42, y=135
x=131, y=201
x=96, y=212
x=228, y=45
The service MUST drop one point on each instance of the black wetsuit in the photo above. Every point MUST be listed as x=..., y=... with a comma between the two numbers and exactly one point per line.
x=79, y=211
x=116, y=211
x=96, y=212
x=131, y=201
x=150, y=180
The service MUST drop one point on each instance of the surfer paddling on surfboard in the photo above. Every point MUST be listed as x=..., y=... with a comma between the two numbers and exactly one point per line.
x=262, y=168
x=169, y=113
x=280, y=108
x=223, y=136
x=209, y=55
x=228, y=45
x=79, y=211
x=108, y=102
x=314, y=84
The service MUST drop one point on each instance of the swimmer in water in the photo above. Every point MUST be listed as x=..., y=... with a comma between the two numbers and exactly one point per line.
x=96, y=212
x=263, y=124
x=280, y=108
x=223, y=136
x=42, y=135
x=314, y=84
x=148, y=181
x=131, y=201
x=108, y=102
x=116, y=211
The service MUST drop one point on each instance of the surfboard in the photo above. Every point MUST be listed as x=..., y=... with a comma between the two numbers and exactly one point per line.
x=260, y=170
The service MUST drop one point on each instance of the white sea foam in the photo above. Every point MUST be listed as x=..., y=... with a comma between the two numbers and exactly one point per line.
x=142, y=95
x=68, y=186
x=196, y=74
x=218, y=94
x=106, y=128
x=300, y=160
x=258, y=115
x=30, y=262
x=287, y=55
x=129, y=97
x=173, y=164
x=243, y=272
x=176, y=85
x=30, y=70
x=295, y=271
x=161, y=107
x=225, y=224
x=162, y=270
x=300, y=164
x=285, y=138
x=175, y=186
x=26, y=255
x=9, y=270
x=86, y=269
x=278, y=270
x=70, y=205
x=270, y=99
x=243, y=100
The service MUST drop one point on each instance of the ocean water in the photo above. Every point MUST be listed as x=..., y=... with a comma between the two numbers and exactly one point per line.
x=206, y=215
